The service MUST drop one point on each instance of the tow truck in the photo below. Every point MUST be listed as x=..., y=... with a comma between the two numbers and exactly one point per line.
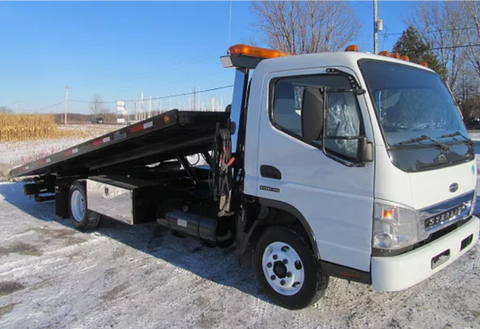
x=345, y=164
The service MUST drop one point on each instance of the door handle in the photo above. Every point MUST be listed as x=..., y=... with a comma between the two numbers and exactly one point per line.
x=270, y=172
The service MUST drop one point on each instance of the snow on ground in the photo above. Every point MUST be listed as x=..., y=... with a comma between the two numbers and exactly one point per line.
x=52, y=276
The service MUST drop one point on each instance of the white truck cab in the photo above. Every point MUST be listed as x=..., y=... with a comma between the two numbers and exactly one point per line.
x=371, y=154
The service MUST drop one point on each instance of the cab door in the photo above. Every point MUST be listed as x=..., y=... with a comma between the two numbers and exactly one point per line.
x=331, y=191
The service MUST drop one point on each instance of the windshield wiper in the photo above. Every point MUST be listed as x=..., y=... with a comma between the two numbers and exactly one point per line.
x=423, y=138
x=458, y=133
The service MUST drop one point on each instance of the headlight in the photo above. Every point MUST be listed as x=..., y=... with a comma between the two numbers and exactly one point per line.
x=394, y=226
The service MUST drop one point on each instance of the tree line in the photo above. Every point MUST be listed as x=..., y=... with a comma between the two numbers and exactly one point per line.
x=445, y=34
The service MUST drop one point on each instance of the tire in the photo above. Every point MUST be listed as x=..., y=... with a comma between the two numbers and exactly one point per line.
x=82, y=218
x=303, y=279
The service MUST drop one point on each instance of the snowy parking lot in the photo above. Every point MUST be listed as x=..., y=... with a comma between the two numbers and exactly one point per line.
x=117, y=276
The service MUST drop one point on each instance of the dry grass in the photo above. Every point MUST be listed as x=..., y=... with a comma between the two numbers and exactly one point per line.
x=21, y=127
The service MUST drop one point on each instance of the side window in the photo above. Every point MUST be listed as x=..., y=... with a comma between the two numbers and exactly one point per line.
x=343, y=113
x=287, y=107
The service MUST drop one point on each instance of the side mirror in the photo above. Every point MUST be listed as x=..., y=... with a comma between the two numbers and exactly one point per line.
x=365, y=150
x=312, y=113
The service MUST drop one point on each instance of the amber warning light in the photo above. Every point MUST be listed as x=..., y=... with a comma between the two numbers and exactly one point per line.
x=256, y=51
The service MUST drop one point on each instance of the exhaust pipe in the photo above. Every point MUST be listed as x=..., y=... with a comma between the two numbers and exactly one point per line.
x=214, y=231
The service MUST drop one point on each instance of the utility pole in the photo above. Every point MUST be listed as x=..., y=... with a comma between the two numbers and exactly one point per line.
x=66, y=103
x=194, y=98
x=377, y=26
x=375, y=30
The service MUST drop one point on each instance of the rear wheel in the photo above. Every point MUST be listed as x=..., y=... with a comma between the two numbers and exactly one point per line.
x=82, y=218
x=286, y=269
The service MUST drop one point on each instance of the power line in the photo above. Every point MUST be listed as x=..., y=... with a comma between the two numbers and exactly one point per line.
x=91, y=102
x=437, y=31
x=454, y=47
x=161, y=97
x=47, y=107
x=177, y=65
x=186, y=94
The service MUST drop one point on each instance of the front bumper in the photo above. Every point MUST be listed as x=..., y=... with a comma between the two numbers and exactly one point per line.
x=403, y=271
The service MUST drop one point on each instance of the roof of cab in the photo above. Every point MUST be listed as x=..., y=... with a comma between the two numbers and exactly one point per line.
x=335, y=59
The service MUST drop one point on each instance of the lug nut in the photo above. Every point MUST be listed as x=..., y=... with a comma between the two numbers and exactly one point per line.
x=289, y=275
x=269, y=265
x=275, y=257
x=285, y=261
x=282, y=282
x=273, y=277
x=298, y=265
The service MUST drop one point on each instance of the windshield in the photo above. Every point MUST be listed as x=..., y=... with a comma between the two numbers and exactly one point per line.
x=420, y=121
x=411, y=102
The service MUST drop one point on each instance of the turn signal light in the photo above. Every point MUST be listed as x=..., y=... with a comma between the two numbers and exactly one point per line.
x=387, y=213
x=252, y=51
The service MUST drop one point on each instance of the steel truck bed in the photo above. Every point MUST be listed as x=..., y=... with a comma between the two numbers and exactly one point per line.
x=158, y=138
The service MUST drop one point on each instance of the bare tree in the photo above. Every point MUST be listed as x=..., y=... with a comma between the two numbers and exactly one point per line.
x=97, y=105
x=471, y=18
x=441, y=26
x=305, y=26
x=5, y=109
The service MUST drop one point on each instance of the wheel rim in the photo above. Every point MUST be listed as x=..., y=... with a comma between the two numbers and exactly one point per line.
x=283, y=268
x=77, y=204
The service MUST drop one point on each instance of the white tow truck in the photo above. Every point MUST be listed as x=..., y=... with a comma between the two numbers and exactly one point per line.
x=343, y=164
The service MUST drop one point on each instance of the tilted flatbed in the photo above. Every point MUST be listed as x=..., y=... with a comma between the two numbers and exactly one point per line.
x=156, y=139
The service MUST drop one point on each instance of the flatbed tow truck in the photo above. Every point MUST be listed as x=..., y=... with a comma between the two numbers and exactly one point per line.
x=342, y=164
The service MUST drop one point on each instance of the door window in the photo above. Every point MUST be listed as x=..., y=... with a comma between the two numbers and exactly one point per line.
x=343, y=114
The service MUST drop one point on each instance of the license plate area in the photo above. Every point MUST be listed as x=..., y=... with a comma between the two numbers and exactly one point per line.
x=440, y=259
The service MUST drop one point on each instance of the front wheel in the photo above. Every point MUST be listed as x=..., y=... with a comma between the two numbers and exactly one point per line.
x=286, y=269
x=82, y=218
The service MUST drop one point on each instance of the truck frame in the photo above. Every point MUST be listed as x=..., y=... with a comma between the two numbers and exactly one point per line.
x=302, y=174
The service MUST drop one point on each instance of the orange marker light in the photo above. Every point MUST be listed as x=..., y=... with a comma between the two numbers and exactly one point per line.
x=352, y=48
x=166, y=119
x=387, y=213
x=395, y=55
x=405, y=58
x=424, y=64
x=256, y=51
x=384, y=53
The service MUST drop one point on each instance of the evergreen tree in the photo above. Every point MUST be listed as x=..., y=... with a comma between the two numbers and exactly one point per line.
x=412, y=45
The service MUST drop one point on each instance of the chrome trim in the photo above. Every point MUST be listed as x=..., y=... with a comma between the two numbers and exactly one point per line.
x=443, y=207
x=110, y=200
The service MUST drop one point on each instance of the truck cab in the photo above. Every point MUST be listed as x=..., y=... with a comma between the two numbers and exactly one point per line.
x=370, y=154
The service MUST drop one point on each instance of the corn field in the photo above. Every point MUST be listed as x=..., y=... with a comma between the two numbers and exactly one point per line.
x=19, y=127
